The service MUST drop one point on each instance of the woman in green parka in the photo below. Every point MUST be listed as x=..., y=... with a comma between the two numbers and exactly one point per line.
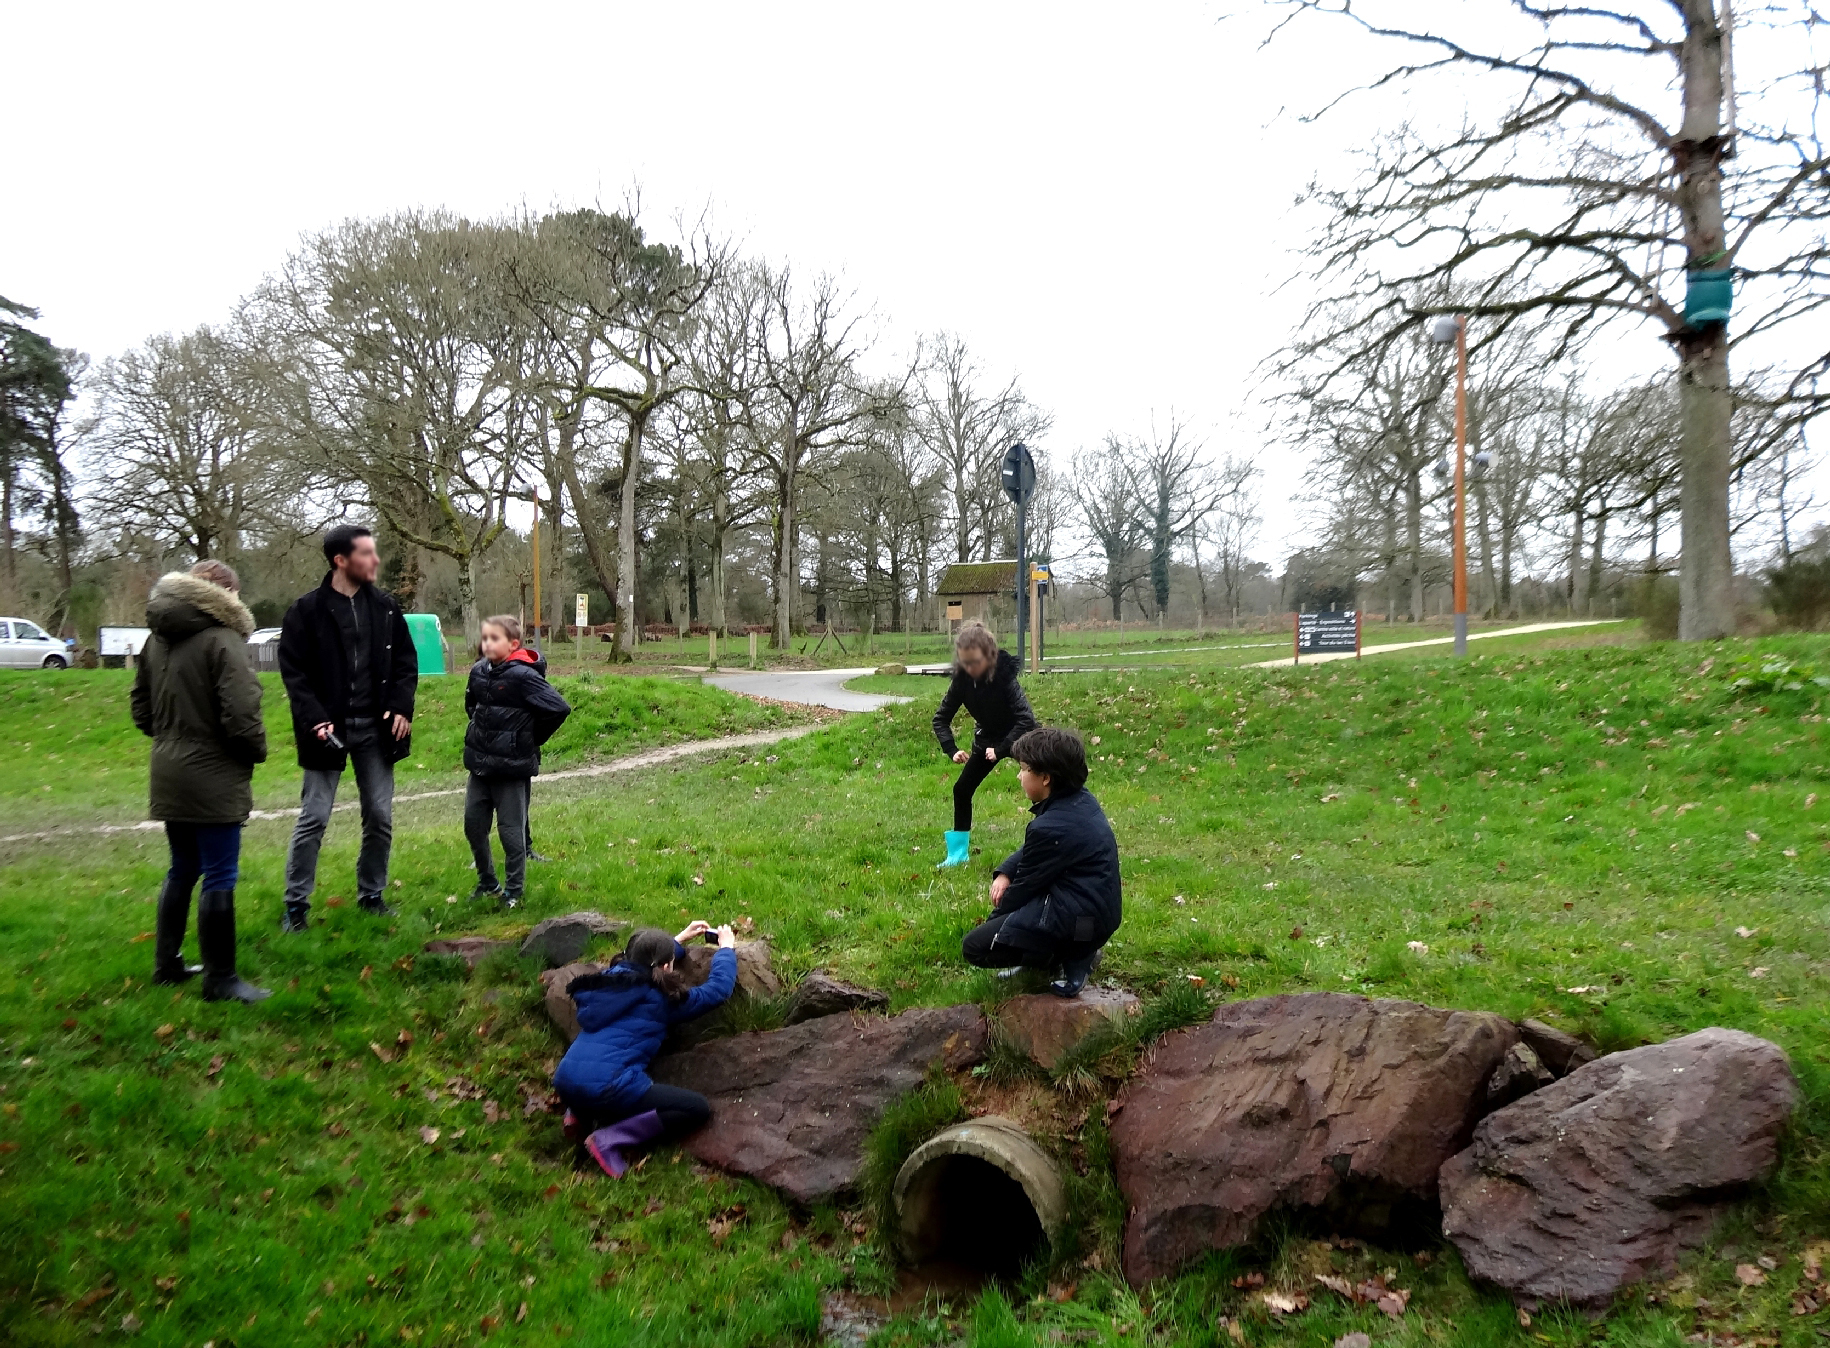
x=199, y=699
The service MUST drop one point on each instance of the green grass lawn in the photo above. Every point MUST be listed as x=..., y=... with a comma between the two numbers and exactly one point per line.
x=1578, y=834
x=72, y=753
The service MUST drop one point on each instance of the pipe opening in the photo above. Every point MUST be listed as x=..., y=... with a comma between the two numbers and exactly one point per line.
x=962, y=1210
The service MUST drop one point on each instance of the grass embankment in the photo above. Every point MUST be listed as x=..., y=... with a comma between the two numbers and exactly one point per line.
x=1581, y=835
x=74, y=756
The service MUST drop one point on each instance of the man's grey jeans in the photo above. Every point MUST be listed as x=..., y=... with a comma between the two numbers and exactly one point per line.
x=375, y=789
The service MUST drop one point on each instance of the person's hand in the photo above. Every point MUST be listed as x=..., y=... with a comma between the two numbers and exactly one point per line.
x=727, y=939
x=960, y=755
x=991, y=755
x=999, y=883
x=323, y=728
x=692, y=929
x=402, y=726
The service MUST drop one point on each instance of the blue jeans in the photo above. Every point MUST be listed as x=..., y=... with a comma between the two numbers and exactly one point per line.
x=212, y=851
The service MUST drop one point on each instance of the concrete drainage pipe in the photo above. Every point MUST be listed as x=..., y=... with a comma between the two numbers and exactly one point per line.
x=980, y=1193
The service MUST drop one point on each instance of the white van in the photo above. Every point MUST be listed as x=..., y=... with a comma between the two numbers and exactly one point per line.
x=26, y=645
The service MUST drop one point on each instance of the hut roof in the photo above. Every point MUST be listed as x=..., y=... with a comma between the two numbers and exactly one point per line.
x=964, y=578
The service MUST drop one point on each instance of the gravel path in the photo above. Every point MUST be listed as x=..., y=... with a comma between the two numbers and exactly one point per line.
x=810, y=687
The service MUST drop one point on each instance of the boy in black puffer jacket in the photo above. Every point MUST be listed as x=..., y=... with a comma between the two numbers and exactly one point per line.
x=513, y=711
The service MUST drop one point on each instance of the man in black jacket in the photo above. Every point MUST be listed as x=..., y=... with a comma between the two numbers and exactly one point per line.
x=350, y=671
x=1056, y=899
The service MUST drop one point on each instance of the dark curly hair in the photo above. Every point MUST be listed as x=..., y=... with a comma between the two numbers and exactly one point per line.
x=651, y=949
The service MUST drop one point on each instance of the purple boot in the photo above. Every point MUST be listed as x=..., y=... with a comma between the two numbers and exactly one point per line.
x=606, y=1145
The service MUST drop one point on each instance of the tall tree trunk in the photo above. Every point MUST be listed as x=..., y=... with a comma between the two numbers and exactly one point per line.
x=590, y=524
x=467, y=598
x=1594, y=585
x=1706, y=580
x=1507, y=538
x=1578, y=531
x=721, y=516
x=785, y=525
x=6, y=531
x=1413, y=521
x=627, y=634
x=1486, y=536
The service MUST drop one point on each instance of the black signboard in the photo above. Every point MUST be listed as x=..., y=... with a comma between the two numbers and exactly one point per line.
x=1327, y=634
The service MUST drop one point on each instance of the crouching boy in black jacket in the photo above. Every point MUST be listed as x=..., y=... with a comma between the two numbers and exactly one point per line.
x=513, y=711
x=1056, y=900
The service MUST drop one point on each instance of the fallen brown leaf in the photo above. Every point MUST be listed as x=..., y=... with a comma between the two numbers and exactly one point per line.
x=143, y=936
x=385, y=1054
x=521, y=1314
x=216, y=1065
x=492, y=1112
x=1285, y=1303
x=1749, y=1276
x=165, y=1031
x=363, y=977
x=428, y=1135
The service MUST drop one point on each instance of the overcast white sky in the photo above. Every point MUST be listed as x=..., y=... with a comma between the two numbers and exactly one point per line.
x=1097, y=197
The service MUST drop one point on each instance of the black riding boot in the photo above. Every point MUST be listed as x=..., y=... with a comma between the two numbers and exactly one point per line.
x=168, y=956
x=216, y=938
x=1074, y=975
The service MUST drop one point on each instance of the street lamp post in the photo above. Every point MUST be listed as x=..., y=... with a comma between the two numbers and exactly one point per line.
x=1454, y=328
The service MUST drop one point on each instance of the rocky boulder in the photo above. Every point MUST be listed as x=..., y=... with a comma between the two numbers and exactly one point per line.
x=562, y=940
x=820, y=994
x=793, y=1107
x=1046, y=1027
x=756, y=976
x=1318, y=1100
x=1601, y=1179
x=471, y=949
x=559, y=1005
x=1560, y=1053
x=1520, y=1073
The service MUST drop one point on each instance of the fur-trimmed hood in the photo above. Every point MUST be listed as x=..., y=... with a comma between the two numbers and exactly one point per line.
x=183, y=605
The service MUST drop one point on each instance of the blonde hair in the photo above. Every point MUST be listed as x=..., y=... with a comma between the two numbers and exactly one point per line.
x=508, y=622
x=217, y=573
x=975, y=636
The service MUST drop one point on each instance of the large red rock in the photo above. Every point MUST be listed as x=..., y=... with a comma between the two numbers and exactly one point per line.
x=793, y=1107
x=1602, y=1179
x=1047, y=1027
x=1317, y=1100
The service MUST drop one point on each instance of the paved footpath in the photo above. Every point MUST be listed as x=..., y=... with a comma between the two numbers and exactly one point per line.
x=1435, y=641
x=811, y=687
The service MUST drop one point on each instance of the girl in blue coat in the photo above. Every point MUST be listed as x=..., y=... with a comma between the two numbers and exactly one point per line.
x=624, y=1013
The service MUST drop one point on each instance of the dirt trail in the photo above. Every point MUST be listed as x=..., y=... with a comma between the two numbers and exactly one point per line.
x=648, y=758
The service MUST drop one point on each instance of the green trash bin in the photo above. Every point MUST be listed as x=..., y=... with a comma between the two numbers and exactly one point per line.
x=428, y=641
x=1709, y=296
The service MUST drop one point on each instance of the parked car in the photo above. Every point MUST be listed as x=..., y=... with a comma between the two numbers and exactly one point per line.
x=264, y=636
x=26, y=645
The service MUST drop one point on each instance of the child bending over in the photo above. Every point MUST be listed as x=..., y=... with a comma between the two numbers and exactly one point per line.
x=623, y=1015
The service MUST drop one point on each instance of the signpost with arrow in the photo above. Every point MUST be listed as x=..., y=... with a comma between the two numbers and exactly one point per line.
x=1019, y=476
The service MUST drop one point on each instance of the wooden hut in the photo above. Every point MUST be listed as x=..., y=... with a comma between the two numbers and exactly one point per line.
x=967, y=589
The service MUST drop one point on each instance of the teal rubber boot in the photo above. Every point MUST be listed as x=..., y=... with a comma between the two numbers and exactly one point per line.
x=958, y=849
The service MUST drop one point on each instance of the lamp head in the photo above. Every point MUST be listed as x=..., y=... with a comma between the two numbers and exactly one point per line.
x=1443, y=328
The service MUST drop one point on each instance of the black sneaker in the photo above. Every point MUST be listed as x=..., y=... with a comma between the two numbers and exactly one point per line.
x=296, y=917
x=482, y=892
x=377, y=906
x=538, y=856
x=510, y=902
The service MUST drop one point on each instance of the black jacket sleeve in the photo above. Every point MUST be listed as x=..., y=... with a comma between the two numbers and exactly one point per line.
x=295, y=639
x=548, y=709
x=141, y=700
x=949, y=708
x=1037, y=865
x=403, y=679
x=1022, y=719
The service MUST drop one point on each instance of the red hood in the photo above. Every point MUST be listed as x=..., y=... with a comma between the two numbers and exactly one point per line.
x=523, y=654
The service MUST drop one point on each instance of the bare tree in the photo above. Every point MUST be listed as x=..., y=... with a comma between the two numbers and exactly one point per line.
x=807, y=398
x=1581, y=200
x=177, y=449
x=1174, y=488
x=967, y=428
x=1114, y=518
x=1233, y=526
